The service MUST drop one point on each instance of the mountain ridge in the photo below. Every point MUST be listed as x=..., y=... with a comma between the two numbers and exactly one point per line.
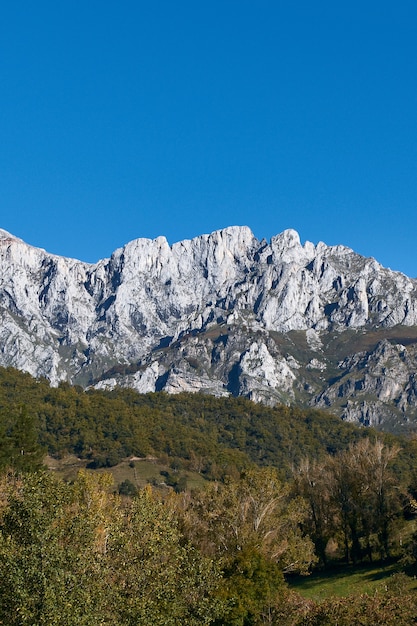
x=223, y=313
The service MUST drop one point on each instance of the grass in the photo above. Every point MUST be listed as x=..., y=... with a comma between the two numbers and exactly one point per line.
x=346, y=580
x=141, y=473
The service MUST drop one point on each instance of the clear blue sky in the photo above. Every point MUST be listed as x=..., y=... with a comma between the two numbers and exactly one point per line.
x=137, y=119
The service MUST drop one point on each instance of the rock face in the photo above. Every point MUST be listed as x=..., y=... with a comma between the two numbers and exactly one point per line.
x=223, y=313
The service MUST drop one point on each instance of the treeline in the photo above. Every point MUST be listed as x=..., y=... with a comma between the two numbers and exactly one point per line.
x=214, y=436
x=78, y=555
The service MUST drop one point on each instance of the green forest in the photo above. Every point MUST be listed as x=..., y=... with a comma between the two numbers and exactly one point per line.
x=284, y=493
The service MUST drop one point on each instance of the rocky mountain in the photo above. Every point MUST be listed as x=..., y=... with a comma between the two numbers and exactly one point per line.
x=223, y=314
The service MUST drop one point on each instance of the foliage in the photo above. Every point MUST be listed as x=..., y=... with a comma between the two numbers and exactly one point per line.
x=19, y=447
x=127, y=488
x=250, y=525
x=77, y=555
x=49, y=555
x=214, y=436
x=255, y=510
x=354, y=495
x=71, y=555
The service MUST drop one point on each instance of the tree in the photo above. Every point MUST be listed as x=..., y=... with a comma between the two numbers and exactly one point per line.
x=354, y=495
x=363, y=491
x=160, y=579
x=252, y=527
x=73, y=555
x=49, y=567
x=19, y=442
x=312, y=480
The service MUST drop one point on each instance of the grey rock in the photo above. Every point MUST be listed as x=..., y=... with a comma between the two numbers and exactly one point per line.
x=222, y=313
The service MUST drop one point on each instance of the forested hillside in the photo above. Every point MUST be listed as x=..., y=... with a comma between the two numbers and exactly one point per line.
x=286, y=491
x=215, y=436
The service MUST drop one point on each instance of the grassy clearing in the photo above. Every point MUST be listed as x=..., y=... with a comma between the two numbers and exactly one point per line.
x=346, y=580
x=140, y=472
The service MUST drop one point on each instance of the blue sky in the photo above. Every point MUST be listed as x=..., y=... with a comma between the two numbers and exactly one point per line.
x=138, y=119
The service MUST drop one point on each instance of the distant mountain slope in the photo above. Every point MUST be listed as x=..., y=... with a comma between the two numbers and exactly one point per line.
x=223, y=313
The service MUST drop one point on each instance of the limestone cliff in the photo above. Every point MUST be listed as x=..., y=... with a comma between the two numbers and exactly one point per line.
x=222, y=313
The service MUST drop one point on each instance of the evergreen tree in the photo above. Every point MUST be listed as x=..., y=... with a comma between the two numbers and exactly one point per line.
x=19, y=447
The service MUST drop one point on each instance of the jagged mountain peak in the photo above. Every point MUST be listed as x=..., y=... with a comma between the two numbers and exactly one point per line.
x=289, y=238
x=222, y=313
x=7, y=238
x=4, y=234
